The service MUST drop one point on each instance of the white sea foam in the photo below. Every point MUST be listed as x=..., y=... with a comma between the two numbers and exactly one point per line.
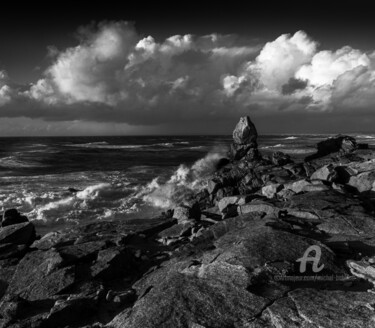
x=182, y=183
x=273, y=146
x=291, y=138
x=105, y=145
x=14, y=162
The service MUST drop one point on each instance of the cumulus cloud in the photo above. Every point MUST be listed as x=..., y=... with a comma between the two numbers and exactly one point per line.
x=116, y=75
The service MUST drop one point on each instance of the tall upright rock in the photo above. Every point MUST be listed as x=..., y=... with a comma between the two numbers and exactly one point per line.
x=244, y=140
x=245, y=132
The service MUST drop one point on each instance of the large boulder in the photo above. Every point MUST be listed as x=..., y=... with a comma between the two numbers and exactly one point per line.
x=339, y=144
x=12, y=216
x=20, y=234
x=245, y=132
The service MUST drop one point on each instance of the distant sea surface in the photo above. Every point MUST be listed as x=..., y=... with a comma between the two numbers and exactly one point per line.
x=116, y=177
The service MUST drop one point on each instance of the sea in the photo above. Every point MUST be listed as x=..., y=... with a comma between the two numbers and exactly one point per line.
x=62, y=181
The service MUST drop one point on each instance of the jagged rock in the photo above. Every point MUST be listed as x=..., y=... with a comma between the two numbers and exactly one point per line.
x=338, y=144
x=12, y=250
x=177, y=230
x=184, y=213
x=71, y=312
x=280, y=159
x=338, y=212
x=327, y=173
x=257, y=207
x=213, y=186
x=319, y=308
x=184, y=299
x=221, y=163
x=12, y=216
x=363, y=182
x=21, y=234
x=54, y=239
x=233, y=200
x=238, y=151
x=271, y=190
x=81, y=252
x=12, y=307
x=297, y=186
x=245, y=132
x=113, y=263
x=362, y=269
x=225, y=192
x=38, y=276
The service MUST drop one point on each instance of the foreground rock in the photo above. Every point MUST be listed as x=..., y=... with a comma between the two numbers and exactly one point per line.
x=271, y=242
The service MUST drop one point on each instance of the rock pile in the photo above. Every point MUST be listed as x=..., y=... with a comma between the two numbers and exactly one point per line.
x=230, y=257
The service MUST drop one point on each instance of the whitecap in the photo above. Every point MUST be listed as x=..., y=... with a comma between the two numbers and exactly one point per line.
x=291, y=138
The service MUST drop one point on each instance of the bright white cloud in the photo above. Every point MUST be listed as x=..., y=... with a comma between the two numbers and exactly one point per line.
x=116, y=75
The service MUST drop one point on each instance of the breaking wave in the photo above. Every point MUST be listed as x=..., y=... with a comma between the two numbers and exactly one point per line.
x=291, y=138
x=105, y=145
x=274, y=146
x=181, y=184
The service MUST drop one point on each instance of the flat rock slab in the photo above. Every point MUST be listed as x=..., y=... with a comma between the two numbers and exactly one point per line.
x=185, y=300
x=39, y=276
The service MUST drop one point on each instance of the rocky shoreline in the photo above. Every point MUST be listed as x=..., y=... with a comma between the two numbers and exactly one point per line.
x=231, y=256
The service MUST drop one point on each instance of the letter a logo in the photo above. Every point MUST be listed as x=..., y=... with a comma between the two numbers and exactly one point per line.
x=315, y=259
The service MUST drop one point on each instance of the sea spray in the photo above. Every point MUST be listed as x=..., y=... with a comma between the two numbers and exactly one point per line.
x=184, y=182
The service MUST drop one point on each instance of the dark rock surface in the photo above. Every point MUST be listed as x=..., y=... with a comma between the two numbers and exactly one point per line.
x=12, y=216
x=231, y=256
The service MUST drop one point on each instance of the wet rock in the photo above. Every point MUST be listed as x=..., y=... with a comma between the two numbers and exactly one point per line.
x=21, y=234
x=245, y=132
x=12, y=216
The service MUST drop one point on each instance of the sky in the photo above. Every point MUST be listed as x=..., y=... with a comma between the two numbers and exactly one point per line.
x=110, y=68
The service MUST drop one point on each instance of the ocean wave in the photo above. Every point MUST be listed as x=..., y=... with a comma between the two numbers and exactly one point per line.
x=291, y=138
x=104, y=145
x=274, y=146
x=181, y=184
x=365, y=137
x=14, y=162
